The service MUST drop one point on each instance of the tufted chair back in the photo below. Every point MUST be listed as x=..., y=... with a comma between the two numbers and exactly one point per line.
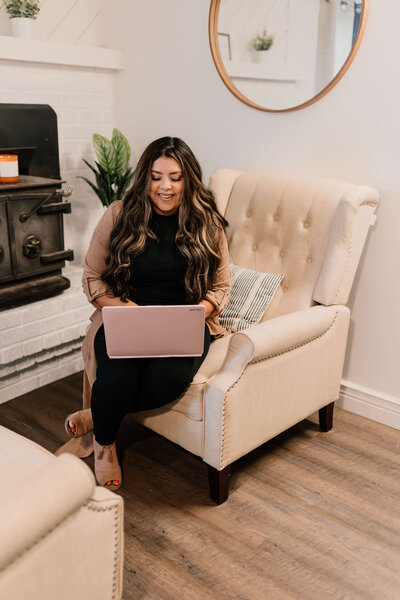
x=312, y=229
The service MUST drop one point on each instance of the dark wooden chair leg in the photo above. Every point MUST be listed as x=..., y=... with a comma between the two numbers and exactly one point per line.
x=326, y=417
x=219, y=483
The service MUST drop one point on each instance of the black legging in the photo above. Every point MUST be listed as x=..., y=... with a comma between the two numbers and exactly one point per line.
x=125, y=385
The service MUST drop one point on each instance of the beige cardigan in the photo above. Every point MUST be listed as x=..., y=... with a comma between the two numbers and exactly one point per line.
x=94, y=287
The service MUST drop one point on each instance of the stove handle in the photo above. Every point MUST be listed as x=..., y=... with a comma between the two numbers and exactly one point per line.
x=57, y=256
x=66, y=191
x=55, y=207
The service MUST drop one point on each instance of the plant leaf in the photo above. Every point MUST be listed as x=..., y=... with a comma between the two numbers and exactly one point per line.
x=104, y=182
x=102, y=171
x=122, y=151
x=123, y=182
x=103, y=190
x=104, y=151
x=113, y=173
x=90, y=166
x=96, y=190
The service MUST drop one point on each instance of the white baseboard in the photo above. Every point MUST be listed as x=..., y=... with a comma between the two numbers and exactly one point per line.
x=370, y=404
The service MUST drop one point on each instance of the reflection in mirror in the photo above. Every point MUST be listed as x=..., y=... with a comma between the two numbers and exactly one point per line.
x=281, y=54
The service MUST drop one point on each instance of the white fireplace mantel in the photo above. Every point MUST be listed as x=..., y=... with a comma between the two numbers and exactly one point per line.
x=41, y=51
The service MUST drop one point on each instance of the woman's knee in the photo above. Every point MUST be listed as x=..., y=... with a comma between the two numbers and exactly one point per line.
x=116, y=375
x=111, y=391
x=103, y=389
x=164, y=384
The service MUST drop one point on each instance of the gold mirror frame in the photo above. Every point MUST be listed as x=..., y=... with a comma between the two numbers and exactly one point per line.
x=213, y=37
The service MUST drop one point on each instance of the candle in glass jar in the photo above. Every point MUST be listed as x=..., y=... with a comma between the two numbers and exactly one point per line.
x=8, y=168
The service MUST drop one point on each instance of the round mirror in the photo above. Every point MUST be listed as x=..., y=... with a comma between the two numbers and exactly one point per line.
x=281, y=55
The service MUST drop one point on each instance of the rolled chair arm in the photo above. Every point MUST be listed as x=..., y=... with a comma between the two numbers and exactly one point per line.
x=34, y=506
x=272, y=338
x=287, y=332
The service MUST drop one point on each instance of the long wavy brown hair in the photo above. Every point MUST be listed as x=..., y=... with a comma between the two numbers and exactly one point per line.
x=199, y=229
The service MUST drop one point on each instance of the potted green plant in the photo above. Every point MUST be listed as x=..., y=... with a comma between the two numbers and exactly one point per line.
x=112, y=172
x=261, y=44
x=22, y=14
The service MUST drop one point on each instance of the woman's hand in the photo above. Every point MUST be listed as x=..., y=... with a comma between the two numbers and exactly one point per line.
x=210, y=308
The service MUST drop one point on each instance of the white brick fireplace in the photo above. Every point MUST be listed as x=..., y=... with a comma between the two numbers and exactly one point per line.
x=40, y=342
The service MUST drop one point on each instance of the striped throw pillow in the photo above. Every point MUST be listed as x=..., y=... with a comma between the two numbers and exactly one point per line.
x=251, y=293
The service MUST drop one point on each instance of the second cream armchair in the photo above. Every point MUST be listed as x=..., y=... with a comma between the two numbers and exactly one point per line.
x=61, y=536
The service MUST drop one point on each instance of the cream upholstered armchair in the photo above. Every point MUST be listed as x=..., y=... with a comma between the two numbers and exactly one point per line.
x=255, y=384
x=259, y=382
x=61, y=535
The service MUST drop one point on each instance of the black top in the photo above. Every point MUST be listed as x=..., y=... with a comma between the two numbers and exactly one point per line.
x=158, y=273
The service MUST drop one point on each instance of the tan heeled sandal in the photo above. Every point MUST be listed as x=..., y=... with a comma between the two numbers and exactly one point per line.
x=83, y=423
x=106, y=466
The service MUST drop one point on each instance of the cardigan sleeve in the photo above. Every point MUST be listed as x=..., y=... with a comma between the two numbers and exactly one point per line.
x=219, y=292
x=95, y=259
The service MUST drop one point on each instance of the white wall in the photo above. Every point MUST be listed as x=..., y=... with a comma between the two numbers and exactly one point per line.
x=171, y=87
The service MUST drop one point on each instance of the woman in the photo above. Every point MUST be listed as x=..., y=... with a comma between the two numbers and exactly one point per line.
x=163, y=244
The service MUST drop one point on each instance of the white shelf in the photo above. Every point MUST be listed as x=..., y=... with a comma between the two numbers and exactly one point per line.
x=41, y=51
x=250, y=70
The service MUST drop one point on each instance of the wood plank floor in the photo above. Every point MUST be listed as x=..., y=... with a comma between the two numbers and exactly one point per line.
x=310, y=516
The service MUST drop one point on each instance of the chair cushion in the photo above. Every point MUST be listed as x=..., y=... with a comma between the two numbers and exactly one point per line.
x=251, y=293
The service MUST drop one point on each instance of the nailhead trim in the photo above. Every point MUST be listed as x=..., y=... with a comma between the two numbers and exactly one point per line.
x=117, y=523
x=223, y=428
x=253, y=362
x=349, y=251
x=368, y=203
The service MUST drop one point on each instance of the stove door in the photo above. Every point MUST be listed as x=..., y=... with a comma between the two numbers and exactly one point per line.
x=5, y=258
x=34, y=235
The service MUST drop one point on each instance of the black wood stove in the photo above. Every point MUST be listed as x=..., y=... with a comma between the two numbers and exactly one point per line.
x=31, y=211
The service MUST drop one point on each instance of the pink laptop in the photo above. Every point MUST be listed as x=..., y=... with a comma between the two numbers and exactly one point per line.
x=154, y=331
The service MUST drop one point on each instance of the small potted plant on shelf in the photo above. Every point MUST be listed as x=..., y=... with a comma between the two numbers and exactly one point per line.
x=112, y=172
x=262, y=44
x=22, y=14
